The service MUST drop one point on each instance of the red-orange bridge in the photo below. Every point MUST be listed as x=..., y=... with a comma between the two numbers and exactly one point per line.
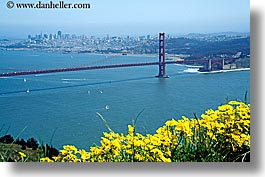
x=184, y=62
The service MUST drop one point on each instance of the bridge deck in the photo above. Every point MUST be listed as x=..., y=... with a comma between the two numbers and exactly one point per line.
x=95, y=67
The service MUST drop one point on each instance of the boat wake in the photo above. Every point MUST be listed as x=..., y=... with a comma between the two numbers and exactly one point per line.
x=43, y=75
x=74, y=79
x=191, y=70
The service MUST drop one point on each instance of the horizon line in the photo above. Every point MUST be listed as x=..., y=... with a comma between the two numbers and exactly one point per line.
x=19, y=37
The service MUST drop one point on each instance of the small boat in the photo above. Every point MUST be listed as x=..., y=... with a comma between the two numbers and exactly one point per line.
x=107, y=107
x=27, y=91
x=25, y=80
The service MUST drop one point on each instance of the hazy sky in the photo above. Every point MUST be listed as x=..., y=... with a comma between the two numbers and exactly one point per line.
x=128, y=17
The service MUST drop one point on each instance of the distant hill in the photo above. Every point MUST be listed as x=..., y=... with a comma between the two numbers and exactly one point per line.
x=197, y=46
x=205, y=48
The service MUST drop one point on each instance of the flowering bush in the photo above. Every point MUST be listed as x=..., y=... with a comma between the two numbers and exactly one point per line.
x=217, y=136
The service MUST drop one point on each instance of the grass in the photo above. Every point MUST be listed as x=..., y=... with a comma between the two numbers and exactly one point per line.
x=10, y=153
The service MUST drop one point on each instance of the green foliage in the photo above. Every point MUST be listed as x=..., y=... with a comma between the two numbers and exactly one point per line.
x=19, y=150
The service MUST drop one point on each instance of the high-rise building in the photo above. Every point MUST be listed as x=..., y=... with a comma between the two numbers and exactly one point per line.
x=50, y=37
x=67, y=36
x=148, y=37
x=59, y=34
x=45, y=36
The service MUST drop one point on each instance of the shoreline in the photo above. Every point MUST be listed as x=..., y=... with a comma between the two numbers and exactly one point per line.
x=224, y=71
x=75, y=52
x=130, y=55
x=168, y=56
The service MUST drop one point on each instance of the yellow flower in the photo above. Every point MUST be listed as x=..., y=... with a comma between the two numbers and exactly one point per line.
x=139, y=157
x=129, y=151
x=70, y=148
x=171, y=123
x=84, y=155
x=46, y=159
x=130, y=130
x=22, y=155
x=137, y=143
x=234, y=103
x=64, y=152
x=56, y=159
x=165, y=159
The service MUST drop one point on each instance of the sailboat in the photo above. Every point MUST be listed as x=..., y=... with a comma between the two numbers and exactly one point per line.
x=107, y=107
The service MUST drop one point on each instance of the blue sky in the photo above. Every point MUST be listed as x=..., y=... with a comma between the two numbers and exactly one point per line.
x=128, y=17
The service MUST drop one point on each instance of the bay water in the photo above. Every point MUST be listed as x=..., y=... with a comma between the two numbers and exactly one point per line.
x=67, y=103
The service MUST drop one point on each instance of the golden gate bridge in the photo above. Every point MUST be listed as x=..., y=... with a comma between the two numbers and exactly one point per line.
x=209, y=66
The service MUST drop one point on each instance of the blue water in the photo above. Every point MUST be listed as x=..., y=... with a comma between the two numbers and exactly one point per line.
x=67, y=103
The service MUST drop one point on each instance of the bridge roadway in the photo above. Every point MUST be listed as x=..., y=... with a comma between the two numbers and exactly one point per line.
x=19, y=73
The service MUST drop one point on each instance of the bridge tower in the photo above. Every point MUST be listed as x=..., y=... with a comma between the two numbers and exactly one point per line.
x=212, y=62
x=210, y=65
x=162, y=56
x=223, y=63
